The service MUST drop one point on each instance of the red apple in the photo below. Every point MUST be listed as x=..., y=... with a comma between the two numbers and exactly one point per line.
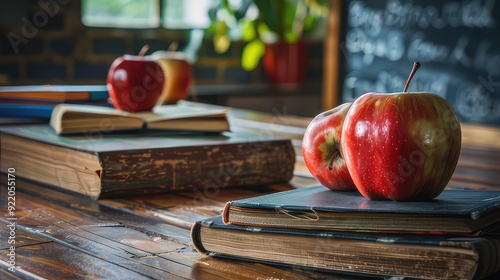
x=135, y=83
x=321, y=149
x=178, y=73
x=401, y=146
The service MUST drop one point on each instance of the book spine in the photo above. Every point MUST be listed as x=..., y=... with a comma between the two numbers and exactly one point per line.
x=225, y=212
x=195, y=234
x=208, y=168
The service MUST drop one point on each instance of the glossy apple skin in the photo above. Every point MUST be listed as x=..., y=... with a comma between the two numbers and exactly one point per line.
x=135, y=83
x=401, y=146
x=178, y=76
x=321, y=140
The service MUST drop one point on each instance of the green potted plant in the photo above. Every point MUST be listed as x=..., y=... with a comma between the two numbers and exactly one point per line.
x=274, y=32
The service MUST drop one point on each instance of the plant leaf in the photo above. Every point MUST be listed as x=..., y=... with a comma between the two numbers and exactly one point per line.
x=251, y=54
x=221, y=43
x=221, y=38
x=249, y=33
x=270, y=13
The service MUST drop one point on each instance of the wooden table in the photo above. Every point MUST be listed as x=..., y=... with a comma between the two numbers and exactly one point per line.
x=61, y=236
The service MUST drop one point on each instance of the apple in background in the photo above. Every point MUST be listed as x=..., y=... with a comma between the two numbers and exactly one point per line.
x=321, y=149
x=178, y=73
x=401, y=146
x=135, y=83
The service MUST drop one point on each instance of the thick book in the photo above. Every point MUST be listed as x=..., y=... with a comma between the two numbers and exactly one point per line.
x=456, y=211
x=370, y=254
x=59, y=93
x=102, y=165
x=76, y=118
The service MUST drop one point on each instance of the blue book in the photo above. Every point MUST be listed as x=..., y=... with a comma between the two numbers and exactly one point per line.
x=59, y=93
x=26, y=111
x=38, y=101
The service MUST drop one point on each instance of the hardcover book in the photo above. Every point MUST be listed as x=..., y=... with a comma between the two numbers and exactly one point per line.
x=59, y=93
x=102, y=165
x=38, y=101
x=26, y=111
x=369, y=254
x=457, y=211
x=75, y=118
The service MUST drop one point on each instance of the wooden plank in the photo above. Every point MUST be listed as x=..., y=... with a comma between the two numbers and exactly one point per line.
x=55, y=261
x=38, y=257
x=83, y=233
x=5, y=274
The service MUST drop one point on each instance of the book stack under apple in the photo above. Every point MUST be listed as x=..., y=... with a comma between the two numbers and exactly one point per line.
x=454, y=236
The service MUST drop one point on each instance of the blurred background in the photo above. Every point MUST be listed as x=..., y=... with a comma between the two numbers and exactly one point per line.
x=75, y=42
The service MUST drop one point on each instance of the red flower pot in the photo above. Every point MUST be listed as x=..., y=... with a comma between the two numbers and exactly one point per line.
x=285, y=62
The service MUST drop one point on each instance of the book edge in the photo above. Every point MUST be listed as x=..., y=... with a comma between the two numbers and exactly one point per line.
x=195, y=235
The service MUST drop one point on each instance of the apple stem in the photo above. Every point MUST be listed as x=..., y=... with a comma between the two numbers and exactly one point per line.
x=416, y=65
x=335, y=155
x=144, y=50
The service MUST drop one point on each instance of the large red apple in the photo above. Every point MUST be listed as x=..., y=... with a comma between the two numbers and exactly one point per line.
x=178, y=73
x=401, y=146
x=135, y=83
x=321, y=149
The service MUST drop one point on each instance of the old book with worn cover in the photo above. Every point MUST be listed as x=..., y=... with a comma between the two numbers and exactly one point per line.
x=457, y=211
x=75, y=118
x=104, y=165
x=398, y=255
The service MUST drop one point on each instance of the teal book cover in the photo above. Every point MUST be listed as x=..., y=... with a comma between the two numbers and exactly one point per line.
x=455, y=210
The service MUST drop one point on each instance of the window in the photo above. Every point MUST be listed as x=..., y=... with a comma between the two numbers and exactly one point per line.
x=175, y=14
x=180, y=14
x=121, y=13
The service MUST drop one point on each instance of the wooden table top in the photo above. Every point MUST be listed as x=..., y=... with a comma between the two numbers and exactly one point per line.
x=61, y=236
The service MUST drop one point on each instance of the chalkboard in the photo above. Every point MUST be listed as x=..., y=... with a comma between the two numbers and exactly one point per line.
x=456, y=41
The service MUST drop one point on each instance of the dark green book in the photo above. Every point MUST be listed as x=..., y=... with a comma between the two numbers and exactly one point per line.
x=102, y=164
x=457, y=211
x=371, y=254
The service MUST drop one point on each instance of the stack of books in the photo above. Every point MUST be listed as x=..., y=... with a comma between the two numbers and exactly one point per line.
x=103, y=152
x=38, y=101
x=455, y=236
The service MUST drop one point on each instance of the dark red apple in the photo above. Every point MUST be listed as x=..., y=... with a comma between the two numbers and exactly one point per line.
x=401, y=146
x=321, y=149
x=135, y=83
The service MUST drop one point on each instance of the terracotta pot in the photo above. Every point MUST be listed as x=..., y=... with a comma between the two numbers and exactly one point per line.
x=285, y=62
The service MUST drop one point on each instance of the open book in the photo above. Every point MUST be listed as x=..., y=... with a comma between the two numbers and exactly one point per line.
x=75, y=118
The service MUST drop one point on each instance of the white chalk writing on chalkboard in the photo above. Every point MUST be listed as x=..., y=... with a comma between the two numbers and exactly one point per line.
x=456, y=40
x=400, y=14
x=475, y=103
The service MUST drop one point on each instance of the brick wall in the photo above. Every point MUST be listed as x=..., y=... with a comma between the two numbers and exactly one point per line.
x=45, y=42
